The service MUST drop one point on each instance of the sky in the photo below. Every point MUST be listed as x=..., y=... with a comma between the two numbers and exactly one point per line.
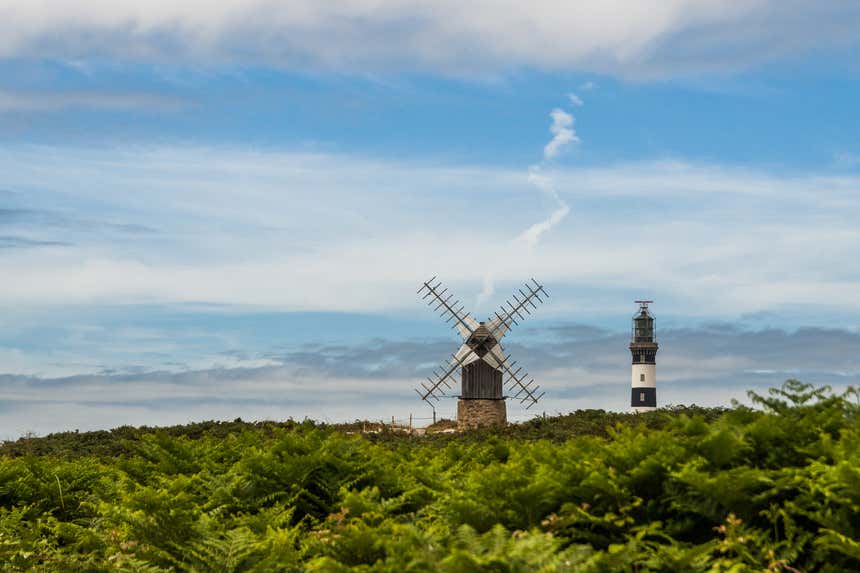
x=222, y=209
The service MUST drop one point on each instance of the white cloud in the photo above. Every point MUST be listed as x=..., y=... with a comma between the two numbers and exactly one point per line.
x=575, y=100
x=638, y=38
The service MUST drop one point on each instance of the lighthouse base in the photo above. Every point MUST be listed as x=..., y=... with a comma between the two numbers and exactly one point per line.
x=475, y=413
x=640, y=409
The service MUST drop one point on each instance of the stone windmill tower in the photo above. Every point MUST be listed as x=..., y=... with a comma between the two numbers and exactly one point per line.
x=643, y=347
x=484, y=366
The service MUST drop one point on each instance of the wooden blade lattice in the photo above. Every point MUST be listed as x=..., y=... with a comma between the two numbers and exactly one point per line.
x=452, y=312
x=442, y=300
x=516, y=380
x=511, y=313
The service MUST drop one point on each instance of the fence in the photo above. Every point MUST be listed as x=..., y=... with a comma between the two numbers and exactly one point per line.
x=417, y=424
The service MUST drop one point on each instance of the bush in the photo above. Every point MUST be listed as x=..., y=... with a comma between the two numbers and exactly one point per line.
x=770, y=488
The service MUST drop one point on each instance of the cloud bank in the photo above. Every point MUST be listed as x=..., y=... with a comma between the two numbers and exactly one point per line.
x=580, y=366
x=272, y=229
x=639, y=38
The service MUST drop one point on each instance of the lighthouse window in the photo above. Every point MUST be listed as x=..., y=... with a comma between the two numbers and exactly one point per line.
x=641, y=396
x=642, y=379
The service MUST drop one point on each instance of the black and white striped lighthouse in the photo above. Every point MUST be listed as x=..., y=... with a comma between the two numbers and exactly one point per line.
x=643, y=347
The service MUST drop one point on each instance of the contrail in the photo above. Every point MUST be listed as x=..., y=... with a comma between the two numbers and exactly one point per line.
x=488, y=289
x=563, y=134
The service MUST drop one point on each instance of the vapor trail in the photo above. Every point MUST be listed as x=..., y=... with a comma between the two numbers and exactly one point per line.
x=563, y=134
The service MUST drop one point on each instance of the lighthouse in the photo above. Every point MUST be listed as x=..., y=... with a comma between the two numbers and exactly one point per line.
x=643, y=347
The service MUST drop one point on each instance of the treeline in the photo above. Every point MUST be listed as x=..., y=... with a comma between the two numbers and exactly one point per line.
x=122, y=441
x=775, y=488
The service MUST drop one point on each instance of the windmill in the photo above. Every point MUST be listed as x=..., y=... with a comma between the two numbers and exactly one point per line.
x=485, y=367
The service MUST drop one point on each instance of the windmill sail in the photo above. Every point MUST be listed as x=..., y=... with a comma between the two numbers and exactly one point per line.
x=448, y=307
x=481, y=341
x=442, y=378
x=511, y=313
x=525, y=392
x=515, y=376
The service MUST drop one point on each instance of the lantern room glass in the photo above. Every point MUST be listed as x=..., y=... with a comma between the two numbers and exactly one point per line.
x=643, y=326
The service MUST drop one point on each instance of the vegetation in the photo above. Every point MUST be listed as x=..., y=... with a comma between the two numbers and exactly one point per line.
x=775, y=488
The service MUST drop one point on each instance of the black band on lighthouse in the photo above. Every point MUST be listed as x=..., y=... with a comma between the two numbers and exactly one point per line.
x=644, y=397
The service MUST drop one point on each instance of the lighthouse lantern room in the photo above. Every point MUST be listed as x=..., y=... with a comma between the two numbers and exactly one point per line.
x=643, y=347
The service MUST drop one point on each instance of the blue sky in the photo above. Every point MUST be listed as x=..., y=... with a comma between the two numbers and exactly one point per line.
x=226, y=212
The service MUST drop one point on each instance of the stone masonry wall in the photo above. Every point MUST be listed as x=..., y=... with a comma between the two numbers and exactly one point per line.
x=474, y=413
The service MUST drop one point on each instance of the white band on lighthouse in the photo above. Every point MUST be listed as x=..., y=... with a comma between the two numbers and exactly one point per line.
x=644, y=376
